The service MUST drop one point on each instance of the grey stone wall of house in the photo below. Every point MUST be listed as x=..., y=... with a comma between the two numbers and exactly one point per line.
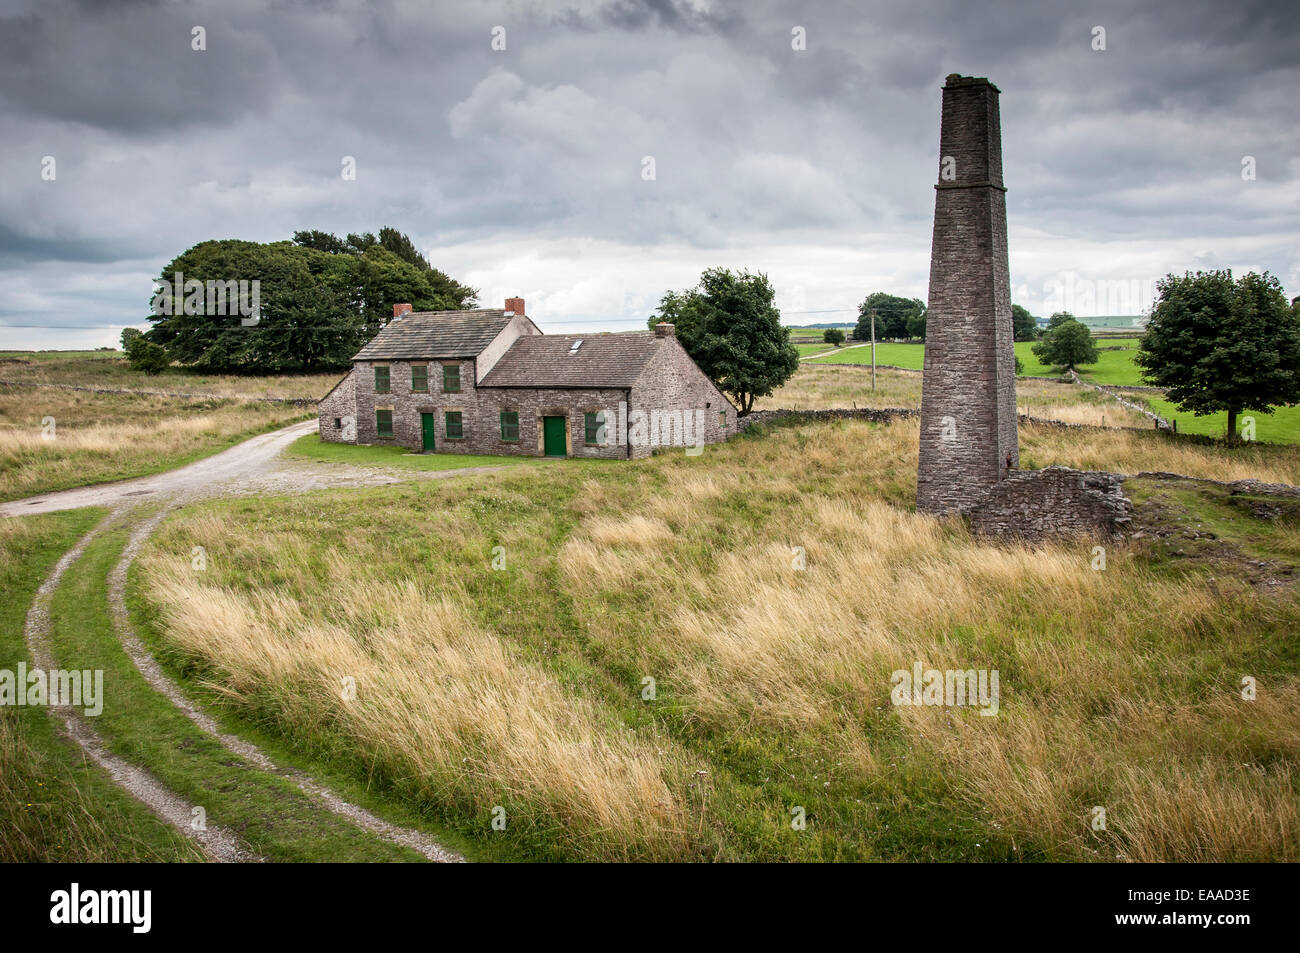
x=1053, y=502
x=672, y=381
x=337, y=411
x=406, y=403
x=532, y=404
x=968, y=400
x=670, y=386
x=480, y=410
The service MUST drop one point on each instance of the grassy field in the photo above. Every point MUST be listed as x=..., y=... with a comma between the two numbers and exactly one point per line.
x=814, y=386
x=1114, y=367
x=110, y=369
x=14, y=357
x=523, y=685
x=55, y=805
x=271, y=813
x=102, y=437
x=1281, y=426
x=821, y=347
x=911, y=356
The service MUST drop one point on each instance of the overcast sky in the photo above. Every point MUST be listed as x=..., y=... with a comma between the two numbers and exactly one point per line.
x=521, y=171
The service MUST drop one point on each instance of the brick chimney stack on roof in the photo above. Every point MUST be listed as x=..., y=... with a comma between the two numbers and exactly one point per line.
x=401, y=309
x=515, y=305
x=665, y=330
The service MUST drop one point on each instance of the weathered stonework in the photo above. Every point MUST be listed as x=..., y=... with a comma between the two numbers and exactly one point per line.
x=668, y=386
x=968, y=398
x=878, y=415
x=337, y=411
x=1053, y=502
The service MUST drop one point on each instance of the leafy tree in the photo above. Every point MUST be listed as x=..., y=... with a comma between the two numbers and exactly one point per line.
x=145, y=355
x=892, y=316
x=322, y=298
x=833, y=336
x=1067, y=344
x=321, y=241
x=916, y=324
x=1020, y=365
x=730, y=327
x=1024, y=327
x=1059, y=318
x=1215, y=344
x=129, y=335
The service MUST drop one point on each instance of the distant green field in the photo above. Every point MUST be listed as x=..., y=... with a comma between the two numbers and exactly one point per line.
x=912, y=356
x=897, y=355
x=1113, y=367
x=59, y=355
x=1281, y=426
x=819, y=347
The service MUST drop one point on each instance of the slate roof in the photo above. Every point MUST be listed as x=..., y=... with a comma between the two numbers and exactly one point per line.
x=547, y=360
x=421, y=334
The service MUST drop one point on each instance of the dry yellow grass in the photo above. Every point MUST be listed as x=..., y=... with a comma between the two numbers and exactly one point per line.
x=97, y=438
x=1129, y=452
x=1101, y=662
x=111, y=372
x=1118, y=688
x=440, y=701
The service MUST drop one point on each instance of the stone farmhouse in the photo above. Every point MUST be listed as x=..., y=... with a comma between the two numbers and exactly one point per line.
x=489, y=381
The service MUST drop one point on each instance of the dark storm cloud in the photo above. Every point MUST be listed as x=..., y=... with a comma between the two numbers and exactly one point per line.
x=129, y=67
x=815, y=165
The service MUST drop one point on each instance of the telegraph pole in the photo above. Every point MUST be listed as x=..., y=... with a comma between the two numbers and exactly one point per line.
x=873, y=348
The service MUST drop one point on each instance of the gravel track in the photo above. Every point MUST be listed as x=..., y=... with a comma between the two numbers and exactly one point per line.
x=253, y=466
x=216, y=842
x=162, y=683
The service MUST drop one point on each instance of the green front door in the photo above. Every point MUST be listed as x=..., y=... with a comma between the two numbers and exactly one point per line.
x=426, y=430
x=553, y=434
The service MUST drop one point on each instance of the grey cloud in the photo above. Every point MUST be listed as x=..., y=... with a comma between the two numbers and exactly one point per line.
x=758, y=147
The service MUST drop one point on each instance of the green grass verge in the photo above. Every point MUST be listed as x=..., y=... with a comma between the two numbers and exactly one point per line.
x=1113, y=367
x=1281, y=426
x=312, y=447
x=273, y=816
x=54, y=804
x=911, y=356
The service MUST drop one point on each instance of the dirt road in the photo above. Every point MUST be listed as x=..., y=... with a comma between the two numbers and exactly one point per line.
x=254, y=466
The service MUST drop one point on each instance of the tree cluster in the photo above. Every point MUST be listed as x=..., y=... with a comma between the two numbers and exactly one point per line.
x=321, y=299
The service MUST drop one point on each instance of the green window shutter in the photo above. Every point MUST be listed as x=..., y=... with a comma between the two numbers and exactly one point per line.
x=381, y=380
x=509, y=425
x=595, y=426
x=722, y=418
x=384, y=422
x=455, y=429
x=450, y=378
x=420, y=378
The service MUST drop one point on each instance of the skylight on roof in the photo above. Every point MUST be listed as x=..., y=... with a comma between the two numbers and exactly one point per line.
x=575, y=345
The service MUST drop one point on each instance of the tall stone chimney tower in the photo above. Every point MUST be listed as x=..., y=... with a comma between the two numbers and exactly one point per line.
x=968, y=393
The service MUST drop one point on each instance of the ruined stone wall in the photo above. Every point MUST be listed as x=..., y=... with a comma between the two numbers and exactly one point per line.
x=1053, y=502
